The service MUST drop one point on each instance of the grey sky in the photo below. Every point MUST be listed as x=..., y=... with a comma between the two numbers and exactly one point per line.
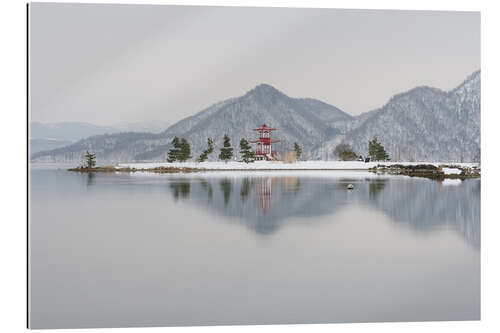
x=108, y=63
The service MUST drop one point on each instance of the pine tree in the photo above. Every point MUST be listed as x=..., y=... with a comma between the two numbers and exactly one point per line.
x=377, y=151
x=184, y=151
x=173, y=153
x=297, y=150
x=210, y=143
x=90, y=159
x=372, y=148
x=204, y=155
x=226, y=153
x=245, y=152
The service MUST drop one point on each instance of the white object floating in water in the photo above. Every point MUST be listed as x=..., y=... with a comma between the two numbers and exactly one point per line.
x=350, y=187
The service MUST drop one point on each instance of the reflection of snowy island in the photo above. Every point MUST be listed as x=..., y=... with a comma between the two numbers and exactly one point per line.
x=415, y=169
x=265, y=202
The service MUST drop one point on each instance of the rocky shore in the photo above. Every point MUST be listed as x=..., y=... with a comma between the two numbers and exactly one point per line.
x=161, y=169
x=429, y=171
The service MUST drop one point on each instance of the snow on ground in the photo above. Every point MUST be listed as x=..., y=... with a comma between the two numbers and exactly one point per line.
x=352, y=175
x=268, y=165
x=452, y=171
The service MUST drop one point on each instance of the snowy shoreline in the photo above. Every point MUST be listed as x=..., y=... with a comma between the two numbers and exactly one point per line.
x=297, y=166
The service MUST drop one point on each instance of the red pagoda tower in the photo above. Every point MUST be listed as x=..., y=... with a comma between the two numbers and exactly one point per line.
x=264, y=149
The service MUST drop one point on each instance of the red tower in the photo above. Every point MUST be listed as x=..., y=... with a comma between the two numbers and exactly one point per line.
x=264, y=149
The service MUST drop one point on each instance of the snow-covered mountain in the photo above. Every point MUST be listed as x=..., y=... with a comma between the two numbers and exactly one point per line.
x=298, y=120
x=306, y=121
x=422, y=124
x=426, y=124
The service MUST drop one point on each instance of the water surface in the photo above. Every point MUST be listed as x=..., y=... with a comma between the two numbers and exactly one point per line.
x=114, y=250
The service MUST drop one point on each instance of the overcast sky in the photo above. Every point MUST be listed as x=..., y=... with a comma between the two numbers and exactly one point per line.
x=109, y=63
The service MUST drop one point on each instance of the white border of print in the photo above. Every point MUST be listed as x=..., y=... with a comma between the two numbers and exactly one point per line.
x=13, y=164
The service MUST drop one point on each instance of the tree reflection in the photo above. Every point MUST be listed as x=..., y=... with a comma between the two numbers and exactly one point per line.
x=226, y=187
x=246, y=186
x=376, y=186
x=180, y=188
x=208, y=188
x=90, y=178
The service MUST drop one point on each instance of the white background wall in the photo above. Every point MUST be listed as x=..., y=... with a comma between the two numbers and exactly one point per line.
x=13, y=167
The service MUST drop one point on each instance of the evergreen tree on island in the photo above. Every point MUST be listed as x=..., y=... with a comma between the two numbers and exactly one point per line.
x=226, y=153
x=245, y=152
x=184, y=151
x=90, y=159
x=173, y=153
x=297, y=150
x=204, y=155
x=377, y=151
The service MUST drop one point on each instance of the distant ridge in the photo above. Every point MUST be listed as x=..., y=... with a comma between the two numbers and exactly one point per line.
x=424, y=123
x=49, y=136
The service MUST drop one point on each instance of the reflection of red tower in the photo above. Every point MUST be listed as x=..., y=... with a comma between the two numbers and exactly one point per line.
x=264, y=149
x=264, y=187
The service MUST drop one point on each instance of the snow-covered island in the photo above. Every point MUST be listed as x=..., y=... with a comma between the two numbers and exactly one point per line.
x=419, y=169
x=265, y=158
x=279, y=165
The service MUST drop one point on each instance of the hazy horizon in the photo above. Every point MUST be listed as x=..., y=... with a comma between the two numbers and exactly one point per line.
x=104, y=64
x=118, y=122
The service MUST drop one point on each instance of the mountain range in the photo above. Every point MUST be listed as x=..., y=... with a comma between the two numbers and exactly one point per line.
x=425, y=124
x=48, y=136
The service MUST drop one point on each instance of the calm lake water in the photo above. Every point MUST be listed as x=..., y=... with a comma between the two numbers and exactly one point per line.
x=114, y=250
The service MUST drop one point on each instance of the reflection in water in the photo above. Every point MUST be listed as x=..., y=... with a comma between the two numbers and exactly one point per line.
x=180, y=188
x=291, y=184
x=264, y=189
x=90, y=178
x=226, y=186
x=311, y=251
x=376, y=186
x=208, y=188
x=246, y=186
x=266, y=203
